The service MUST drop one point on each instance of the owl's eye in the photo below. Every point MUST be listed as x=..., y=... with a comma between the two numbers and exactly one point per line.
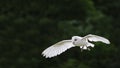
x=75, y=40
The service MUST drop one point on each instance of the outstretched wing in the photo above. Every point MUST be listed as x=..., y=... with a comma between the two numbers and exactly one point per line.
x=57, y=48
x=96, y=38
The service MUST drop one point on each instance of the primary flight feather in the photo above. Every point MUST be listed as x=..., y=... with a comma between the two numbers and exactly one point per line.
x=82, y=42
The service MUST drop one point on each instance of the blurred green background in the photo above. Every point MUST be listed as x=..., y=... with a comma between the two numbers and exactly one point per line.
x=27, y=27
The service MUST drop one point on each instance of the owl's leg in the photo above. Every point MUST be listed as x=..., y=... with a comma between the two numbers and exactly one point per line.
x=87, y=47
x=81, y=48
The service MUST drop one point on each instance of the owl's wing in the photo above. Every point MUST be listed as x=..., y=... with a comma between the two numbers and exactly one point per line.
x=57, y=48
x=96, y=38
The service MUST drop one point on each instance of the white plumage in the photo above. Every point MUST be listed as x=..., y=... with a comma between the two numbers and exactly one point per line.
x=57, y=48
x=82, y=42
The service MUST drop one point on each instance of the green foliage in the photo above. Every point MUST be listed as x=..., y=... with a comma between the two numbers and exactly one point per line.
x=27, y=27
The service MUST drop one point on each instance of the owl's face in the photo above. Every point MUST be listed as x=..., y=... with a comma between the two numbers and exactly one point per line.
x=75, y=39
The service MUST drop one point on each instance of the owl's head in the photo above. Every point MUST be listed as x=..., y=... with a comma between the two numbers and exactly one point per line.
x=75, y=38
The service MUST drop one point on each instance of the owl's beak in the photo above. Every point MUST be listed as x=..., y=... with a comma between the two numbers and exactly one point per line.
x=74, y=43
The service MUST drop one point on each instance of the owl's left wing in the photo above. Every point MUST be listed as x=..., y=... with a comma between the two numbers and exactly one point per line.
x=96, y=38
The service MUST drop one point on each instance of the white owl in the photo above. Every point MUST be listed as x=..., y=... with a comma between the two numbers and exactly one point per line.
x=82, y=42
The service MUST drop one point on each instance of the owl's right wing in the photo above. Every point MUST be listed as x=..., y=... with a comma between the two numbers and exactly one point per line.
x=57, y=48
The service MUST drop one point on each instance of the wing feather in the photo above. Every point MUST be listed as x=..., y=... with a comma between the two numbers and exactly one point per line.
x=57, y=48
x=96, y=38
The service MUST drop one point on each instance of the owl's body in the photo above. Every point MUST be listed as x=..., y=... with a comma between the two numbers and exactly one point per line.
x=82, y=42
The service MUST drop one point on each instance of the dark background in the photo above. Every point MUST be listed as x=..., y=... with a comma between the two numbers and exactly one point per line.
x=27, y=27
